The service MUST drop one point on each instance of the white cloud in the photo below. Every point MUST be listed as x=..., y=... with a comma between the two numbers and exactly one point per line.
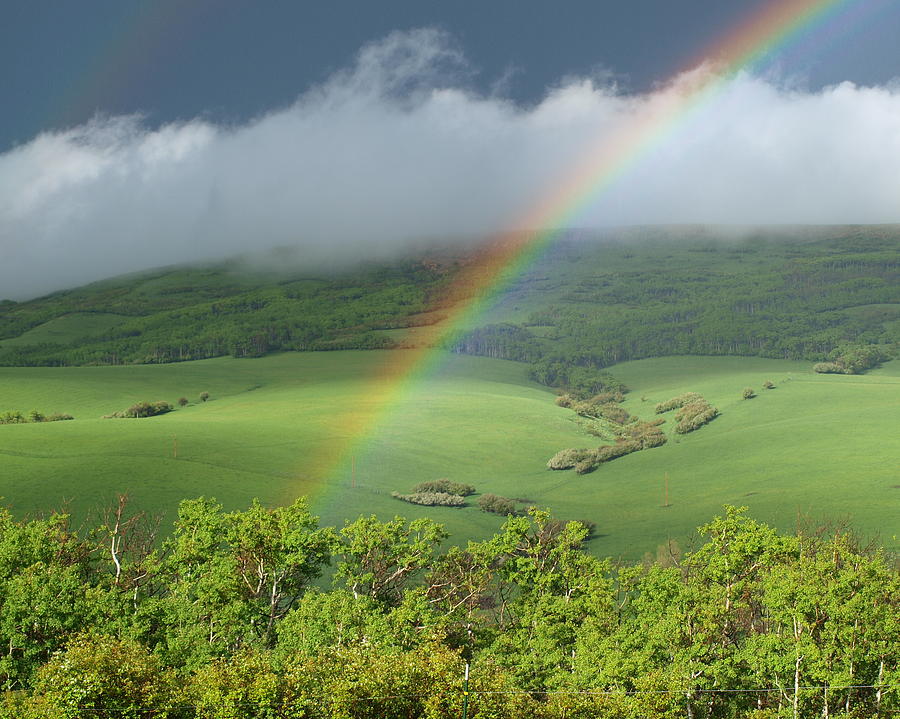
x=395, y=148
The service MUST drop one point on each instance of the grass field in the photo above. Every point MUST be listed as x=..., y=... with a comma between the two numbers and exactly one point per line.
x=825, y=446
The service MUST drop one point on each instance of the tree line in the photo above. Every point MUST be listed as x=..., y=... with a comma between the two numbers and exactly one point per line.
x=594, y=304
x=229, y=617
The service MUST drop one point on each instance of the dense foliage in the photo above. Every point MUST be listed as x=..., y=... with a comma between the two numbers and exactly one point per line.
x=222, y=620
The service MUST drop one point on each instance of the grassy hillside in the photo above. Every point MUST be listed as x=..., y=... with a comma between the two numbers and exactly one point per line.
x=814, y=444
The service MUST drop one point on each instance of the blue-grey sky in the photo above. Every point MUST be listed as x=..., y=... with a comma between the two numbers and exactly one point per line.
x=139, y=134
x=227, y=60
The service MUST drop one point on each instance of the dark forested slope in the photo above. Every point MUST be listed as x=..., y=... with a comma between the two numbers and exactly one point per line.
x=591, y=300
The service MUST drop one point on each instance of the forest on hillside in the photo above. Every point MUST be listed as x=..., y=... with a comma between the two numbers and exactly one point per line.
x=596, y=304
x=587, y=302
x=226, y=618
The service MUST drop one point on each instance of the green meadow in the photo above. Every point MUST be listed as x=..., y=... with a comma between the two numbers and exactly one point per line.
x=285, y=425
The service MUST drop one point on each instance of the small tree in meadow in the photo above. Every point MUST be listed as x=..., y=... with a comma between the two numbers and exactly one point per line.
x=182, y=401
x=204, y=396
x=748, y=393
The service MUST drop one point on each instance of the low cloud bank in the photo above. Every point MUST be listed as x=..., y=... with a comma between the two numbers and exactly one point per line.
x=396, y=148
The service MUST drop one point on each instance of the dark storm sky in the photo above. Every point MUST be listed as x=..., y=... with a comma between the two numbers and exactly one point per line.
x=63, y=62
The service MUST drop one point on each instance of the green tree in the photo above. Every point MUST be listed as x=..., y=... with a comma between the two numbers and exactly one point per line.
x=380, y=558
x=109, y=678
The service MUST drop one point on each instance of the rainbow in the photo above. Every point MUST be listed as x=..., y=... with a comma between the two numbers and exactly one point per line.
x=478, y=285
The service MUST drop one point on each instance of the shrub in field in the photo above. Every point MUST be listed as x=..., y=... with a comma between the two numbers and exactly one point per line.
x=495, y=504
x=768, y=385
x=748, y=393
x=588, y=464
x=182, y=401
x=614, y=413
x=431, y=499
x=564, y=400
x=676, y=402
x=596, y=410
x=142, y=409
x=34, y=415
x=828, y=368
x=444, y=486
x=854, y=359
x=567, y=458
x=644, y=434
x=204, y=396
x=58, y=417
x=694, y=416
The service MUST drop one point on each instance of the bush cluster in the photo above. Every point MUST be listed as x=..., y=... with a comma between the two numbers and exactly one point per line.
x=676, y=402
x=568, y=458
x=431, y=499
x=444, y=486
x=495, y=504
x=633, y=438
x=693, y=416
x=604, y=405
x=16, y=417
x=142, y=409
x=851, y=359
x=646, y=434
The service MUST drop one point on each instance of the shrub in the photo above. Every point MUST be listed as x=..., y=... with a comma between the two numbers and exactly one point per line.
x=564, y=400
x=828, y=368
x=58, y=417
x=102, y=676
x=36, y=416
x=694, y=416
x=643, y=434
x=495, y=504
x=182, y=401
x=444, y=486
x=587, y=465
x=14, y=417
x=768, y=385
x=431, y=499
x=748, y=393
x=614, y=413
x=204, y=396
x=596, y=410
x=567, y=458
x=142, y=409
x=856, y=358
x=679, y=401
